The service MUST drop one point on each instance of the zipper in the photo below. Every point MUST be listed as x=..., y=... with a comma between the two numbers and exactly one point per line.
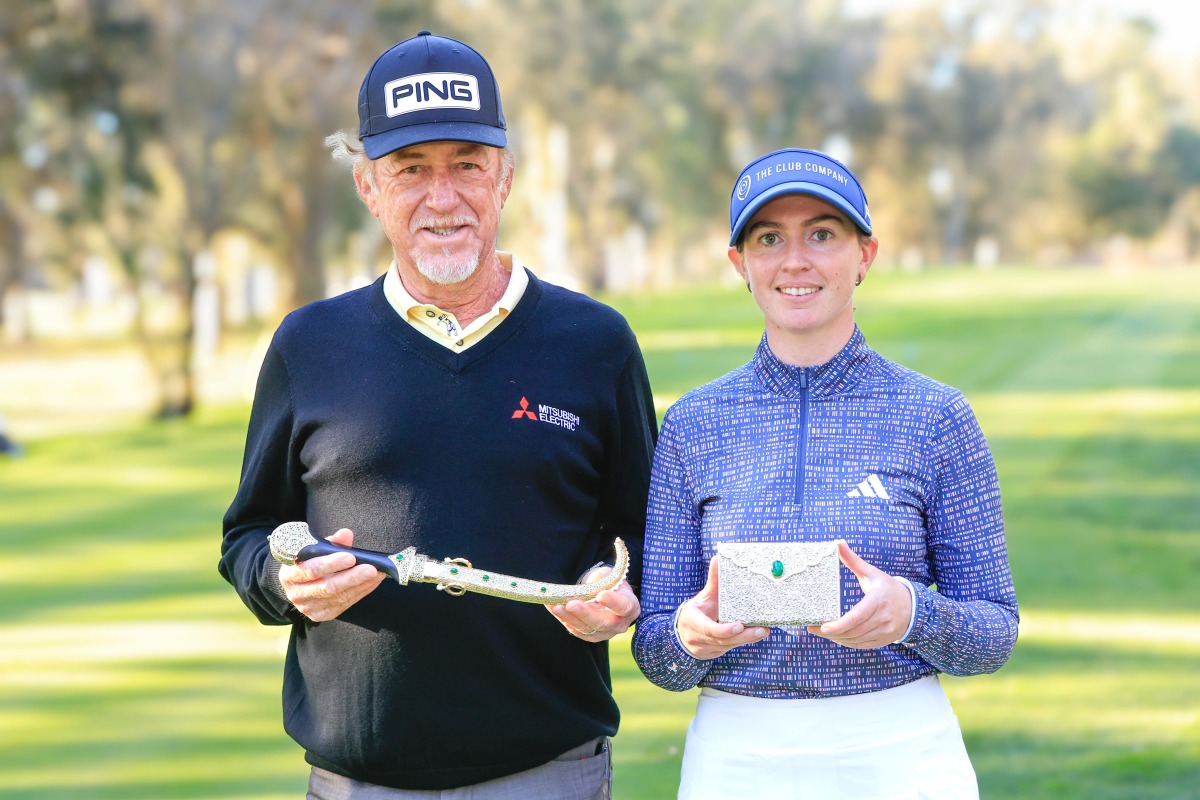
x=802, y=439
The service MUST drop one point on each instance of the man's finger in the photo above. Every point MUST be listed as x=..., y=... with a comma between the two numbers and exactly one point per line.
x=344, y=537
x=321, y=566
x=620, y=601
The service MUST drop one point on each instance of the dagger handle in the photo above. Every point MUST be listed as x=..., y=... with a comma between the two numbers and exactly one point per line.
x=323, y=547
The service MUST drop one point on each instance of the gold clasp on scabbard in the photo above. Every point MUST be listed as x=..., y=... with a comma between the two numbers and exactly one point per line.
x=454, y=589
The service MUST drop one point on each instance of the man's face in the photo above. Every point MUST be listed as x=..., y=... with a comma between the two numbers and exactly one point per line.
x=801, y=257
x=439, y=205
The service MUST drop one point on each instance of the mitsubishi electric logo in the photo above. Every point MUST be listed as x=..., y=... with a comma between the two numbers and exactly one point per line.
x=871, y=487
x=524, y=411
x=431, y=90
x=549, y=414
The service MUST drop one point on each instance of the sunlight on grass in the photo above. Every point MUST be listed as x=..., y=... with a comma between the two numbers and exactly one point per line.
x=1060, y=414
x=42, y=645
x=692, y=340
x=1178, y=636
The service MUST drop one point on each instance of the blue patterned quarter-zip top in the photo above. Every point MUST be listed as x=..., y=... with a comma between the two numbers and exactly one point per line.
x=858, y=448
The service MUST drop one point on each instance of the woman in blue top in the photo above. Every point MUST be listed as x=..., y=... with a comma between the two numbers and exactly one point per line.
x=820, y=438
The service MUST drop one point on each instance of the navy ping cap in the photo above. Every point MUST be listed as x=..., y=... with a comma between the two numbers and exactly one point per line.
x=428, y=89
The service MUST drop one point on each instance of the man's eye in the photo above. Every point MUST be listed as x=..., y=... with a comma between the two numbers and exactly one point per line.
x=769, y=239
x=823, y=235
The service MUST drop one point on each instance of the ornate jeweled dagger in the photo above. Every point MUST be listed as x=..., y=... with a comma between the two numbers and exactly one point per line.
x=293, y=541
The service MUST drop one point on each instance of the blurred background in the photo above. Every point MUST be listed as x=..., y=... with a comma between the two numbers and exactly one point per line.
x=1033, y=169
x=163, y=179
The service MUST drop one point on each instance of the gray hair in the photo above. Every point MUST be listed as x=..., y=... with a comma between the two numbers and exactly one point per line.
x=346, y=147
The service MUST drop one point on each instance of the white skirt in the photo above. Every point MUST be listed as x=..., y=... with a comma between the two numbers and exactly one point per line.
x=896, y=744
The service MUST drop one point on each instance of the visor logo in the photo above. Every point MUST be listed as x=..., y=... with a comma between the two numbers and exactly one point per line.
x=743, y=188
x=431, y=90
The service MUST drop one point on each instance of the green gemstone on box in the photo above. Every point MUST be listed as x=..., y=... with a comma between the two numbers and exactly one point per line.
x=777, y=569
x=454, y=570
x=485, y=577
x=513, y=584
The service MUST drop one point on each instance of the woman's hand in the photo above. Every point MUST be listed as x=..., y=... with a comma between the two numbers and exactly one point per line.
x=698, y=629
x=880, y=618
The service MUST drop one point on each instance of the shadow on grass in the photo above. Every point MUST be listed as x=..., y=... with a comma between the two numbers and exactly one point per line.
x=281, y=784
x=1106, y=522
x=154, y=729
x=1017, y=766
x=1079, y=720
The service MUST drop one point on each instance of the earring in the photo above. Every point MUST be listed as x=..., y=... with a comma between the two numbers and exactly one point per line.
x=859, y=281
x=748, y=289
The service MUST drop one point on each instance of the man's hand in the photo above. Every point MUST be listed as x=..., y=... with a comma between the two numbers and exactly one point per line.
x=880, y=618
x=322, y=588
x=698, y=629
x=598, y=620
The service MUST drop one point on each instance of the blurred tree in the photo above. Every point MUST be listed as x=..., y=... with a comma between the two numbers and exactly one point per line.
x=147, y=130
x=1120, y=165
x=16, y=177
x=970, y=97
x=1178, y=174
x=300, y=73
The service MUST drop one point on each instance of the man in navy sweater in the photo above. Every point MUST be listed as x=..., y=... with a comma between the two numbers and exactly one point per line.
x=464, y=407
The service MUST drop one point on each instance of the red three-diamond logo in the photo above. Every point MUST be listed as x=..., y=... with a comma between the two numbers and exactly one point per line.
x=524, y=411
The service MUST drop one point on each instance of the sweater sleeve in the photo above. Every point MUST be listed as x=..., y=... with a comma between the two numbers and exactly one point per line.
x=623, y=506
x=270, y=492
x=675, y=571
x=968, y=624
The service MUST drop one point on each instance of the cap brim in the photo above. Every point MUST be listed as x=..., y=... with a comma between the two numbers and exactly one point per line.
x=798, y=187
x=381, y=144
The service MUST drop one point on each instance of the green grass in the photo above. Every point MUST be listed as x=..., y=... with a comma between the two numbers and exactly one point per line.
x=129, y=670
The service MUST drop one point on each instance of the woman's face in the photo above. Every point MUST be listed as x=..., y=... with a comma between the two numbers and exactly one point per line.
x=801, y=258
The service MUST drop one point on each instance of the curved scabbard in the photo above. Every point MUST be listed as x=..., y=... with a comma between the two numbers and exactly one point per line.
x=293, y=541
x=457, y=576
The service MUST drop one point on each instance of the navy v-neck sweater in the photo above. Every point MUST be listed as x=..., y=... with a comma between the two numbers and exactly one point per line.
x=526, y=454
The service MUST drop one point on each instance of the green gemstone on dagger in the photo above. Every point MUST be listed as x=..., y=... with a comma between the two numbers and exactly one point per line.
x=777, y=569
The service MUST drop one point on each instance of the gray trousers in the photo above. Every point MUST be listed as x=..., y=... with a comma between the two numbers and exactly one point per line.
x=583, y=773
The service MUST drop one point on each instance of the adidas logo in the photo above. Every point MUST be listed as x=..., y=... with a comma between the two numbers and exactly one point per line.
x=871, y=487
